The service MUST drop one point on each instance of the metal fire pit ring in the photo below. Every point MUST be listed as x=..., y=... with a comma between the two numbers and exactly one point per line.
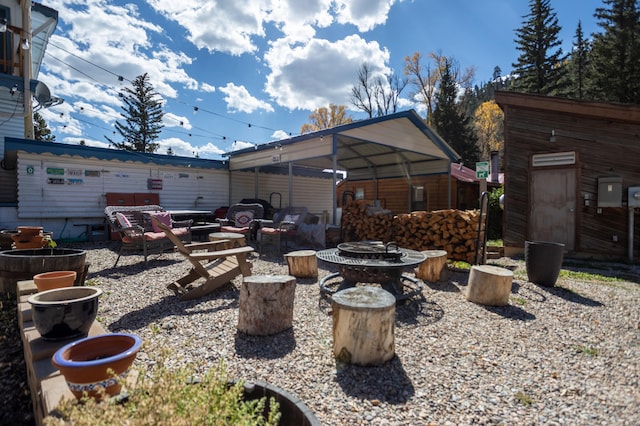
x=384, y=270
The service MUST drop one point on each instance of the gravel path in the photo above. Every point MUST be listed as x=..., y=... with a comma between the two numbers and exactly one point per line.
x=568, y=355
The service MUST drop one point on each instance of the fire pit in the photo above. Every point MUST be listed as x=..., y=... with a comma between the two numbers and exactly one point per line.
x=373, y=262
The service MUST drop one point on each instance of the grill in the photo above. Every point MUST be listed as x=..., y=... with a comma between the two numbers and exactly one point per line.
x=373, y=262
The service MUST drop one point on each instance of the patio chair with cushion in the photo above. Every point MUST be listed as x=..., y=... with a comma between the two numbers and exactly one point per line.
x=137, y=233
x=217, y=266
x=241, y=219
x=282, y=228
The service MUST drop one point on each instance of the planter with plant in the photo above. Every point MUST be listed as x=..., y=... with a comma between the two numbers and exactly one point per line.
x=162, y=395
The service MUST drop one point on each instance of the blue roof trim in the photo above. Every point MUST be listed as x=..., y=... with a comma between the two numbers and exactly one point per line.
x=55, y=148
x=411, y=115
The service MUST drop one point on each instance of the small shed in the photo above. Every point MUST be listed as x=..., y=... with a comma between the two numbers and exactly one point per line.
x=571, y=169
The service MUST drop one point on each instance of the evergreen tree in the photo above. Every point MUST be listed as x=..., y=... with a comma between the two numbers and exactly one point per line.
x=578, y=65
x=616, y=53
x=539, y=67
x=451, y=122
x=143, y=117
x=41, y=131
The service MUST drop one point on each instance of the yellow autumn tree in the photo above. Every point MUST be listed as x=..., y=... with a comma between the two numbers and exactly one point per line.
x=488, y=121
x=324, y=118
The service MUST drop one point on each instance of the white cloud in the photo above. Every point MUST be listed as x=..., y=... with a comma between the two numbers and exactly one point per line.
x=238, y=99
x=321, y=72
x=205, y=87
x=364, y=14
x=280, y=134
x=238, y=145
x=224, y=26
x=173, y=120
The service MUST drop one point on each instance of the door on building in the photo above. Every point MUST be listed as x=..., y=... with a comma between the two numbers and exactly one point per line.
x=553, y=206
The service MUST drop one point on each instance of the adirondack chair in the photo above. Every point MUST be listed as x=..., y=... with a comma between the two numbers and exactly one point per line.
x=216, y=267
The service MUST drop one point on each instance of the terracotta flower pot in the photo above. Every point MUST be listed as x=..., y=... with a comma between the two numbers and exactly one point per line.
x=54, y=279
x=64, y=313
x=97, y=362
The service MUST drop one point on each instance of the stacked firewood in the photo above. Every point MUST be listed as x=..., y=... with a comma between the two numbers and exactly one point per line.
x=452, y=230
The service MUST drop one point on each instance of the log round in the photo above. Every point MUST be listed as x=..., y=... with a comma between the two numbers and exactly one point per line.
x=302, y=263
x=235, y=239
x=434, y=268
x=363, y=325
x=489, y=285
x=266, y=304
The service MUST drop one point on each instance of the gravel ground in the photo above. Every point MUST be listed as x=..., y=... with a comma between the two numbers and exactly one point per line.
x=567, y=355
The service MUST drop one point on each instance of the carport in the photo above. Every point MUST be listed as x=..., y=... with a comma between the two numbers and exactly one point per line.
x=395, y=145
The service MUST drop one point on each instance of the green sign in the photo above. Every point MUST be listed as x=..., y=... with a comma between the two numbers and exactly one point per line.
x=482, y=170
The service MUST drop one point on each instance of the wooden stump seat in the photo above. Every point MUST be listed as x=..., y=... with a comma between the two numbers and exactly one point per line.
x=489, y=285
x=266, y=304
x=302, y=263
x=434, y=268
x=363, y=325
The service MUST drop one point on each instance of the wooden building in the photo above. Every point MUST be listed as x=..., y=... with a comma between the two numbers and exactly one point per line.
x=569, y=169
x=422, y=192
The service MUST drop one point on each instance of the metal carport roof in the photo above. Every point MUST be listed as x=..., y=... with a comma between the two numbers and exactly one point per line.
x=394, y=145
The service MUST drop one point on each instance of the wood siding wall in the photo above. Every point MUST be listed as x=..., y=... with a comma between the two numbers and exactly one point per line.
x=395, y=194
x=604, y=146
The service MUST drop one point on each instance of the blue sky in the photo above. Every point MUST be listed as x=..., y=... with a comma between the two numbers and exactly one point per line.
x=256, y=69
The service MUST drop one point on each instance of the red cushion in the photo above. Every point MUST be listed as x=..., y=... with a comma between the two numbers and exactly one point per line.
x=234, y=229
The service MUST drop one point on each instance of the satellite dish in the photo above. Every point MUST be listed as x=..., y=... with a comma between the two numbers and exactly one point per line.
x=42, y=93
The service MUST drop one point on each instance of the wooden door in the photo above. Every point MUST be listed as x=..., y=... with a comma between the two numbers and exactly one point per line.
x=553, y=206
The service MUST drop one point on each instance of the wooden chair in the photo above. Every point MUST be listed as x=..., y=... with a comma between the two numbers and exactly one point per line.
x=283, y=227
x=241, y=219
x=216, y=267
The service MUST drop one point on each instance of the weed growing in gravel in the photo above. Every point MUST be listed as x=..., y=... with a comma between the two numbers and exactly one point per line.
x=524, y=399
x=520, y=300
x=586, y=350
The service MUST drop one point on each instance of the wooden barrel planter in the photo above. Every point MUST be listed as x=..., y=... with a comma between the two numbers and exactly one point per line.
x=19, y=265
x=543, y=260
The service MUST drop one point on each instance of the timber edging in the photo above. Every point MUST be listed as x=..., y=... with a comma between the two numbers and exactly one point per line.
x=48, y=387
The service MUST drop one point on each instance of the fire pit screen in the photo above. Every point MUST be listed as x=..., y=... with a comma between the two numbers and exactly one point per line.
x=373, y=262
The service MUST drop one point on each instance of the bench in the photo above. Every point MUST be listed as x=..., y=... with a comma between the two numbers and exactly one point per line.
x=133, y=225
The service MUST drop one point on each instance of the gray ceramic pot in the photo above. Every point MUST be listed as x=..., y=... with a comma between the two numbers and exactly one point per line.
x=64, y=313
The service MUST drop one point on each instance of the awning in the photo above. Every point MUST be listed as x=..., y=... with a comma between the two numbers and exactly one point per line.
x=396, y=145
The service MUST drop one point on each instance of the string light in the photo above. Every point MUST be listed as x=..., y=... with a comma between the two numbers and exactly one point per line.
x=120, y=78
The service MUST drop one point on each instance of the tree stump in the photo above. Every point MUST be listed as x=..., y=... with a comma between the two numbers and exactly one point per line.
x=489, y=285
x=302, y=263
x=363, y=325
x=266, y=304
x=434, y=268
x=234, y=239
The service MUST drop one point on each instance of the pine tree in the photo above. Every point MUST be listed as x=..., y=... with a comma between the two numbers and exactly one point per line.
x=578, y=65
x=539, y=67
x=616, y=53
x=450, y=121
x=41, y=131
x=143, y=117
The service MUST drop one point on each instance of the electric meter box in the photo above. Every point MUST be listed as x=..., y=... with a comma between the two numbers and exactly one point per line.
x=610, y=191
x=634, y=196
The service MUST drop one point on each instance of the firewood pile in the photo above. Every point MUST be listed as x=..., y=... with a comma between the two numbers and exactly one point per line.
x=452, y=230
